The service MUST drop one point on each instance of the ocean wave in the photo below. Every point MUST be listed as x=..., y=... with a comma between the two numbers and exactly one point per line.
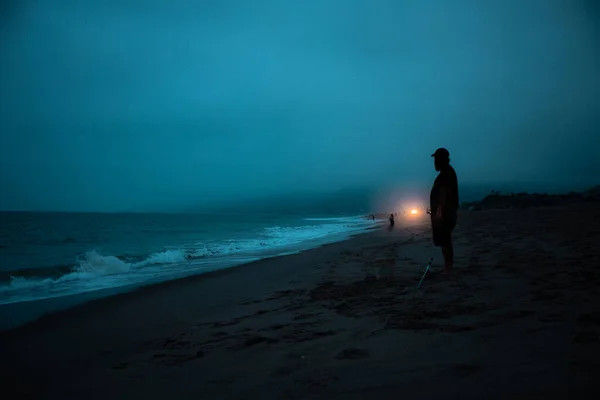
x=295, y=234
x=357, y=218
x=164, y=257
x=96, y=271
x=81, y=278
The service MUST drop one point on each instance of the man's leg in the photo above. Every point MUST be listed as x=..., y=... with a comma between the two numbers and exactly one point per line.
x=447, y=247
x=448, y=252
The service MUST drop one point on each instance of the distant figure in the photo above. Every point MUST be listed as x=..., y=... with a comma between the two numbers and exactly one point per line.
x=444, y=206
x=391, y=221
x=373, y=217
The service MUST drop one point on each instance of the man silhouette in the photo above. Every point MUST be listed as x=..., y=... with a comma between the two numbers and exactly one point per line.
x=444, y=206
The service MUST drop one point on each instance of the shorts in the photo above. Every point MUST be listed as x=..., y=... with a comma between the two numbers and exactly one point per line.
x=442, y=232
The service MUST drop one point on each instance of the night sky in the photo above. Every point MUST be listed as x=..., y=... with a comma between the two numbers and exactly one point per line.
x=111, y=105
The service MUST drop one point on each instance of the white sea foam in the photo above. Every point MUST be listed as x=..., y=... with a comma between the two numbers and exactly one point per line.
x=96, y=271
x=164, y=257
x=94, y=263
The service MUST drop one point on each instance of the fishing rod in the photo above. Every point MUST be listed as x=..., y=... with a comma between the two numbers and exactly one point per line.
x=427, y=268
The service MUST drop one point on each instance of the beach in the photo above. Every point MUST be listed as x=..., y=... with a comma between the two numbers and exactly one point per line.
x=519, y=317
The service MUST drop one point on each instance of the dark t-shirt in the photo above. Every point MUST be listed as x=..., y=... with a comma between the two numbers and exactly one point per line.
x=448, y=179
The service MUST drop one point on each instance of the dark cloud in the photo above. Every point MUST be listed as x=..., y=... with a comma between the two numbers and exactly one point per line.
x=151, y=104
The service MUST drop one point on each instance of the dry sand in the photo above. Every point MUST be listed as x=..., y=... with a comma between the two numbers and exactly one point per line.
x=519, y=318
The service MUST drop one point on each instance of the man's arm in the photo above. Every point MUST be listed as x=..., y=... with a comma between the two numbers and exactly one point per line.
x=442, y=201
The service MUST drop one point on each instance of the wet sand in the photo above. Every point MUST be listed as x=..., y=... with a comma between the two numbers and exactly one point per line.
x=520, y=317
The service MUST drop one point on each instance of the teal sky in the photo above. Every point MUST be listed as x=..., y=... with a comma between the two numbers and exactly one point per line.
x=157, y=104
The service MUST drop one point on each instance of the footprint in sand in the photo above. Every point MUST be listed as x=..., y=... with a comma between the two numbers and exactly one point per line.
x=307, y=315
x=253, y=340
x=588, y=329
x=589, y=319
x=121, y=365
x=352, y=354
x=175, y=359
x=552, y=318
x=586, y=337
x=226, y=323
x=283, y=371
x=465, y=370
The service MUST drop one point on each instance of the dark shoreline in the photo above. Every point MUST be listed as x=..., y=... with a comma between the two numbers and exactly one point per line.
x=66, y=306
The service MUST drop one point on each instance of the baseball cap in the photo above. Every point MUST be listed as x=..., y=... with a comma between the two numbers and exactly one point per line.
x=441, y=153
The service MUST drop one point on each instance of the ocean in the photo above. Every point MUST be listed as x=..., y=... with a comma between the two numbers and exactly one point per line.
x=46, y=256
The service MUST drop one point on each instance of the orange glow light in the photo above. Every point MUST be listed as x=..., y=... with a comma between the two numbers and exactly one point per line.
x=414, y=212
